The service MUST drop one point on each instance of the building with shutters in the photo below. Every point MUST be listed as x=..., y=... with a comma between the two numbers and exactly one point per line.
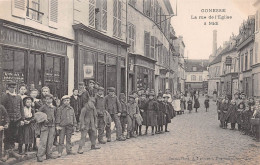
x=36, y=44
x=230, y=69
x=149, y=34
x=256, y=53
x=196, y=75
x=245, y=47
x=100, y=42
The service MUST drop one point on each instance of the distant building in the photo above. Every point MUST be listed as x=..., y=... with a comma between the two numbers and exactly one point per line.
x=197, y=75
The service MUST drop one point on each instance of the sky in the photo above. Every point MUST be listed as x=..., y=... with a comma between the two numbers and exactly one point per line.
x=197, y=36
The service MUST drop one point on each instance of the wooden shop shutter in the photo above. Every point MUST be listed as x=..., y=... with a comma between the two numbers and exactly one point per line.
x=19, y=8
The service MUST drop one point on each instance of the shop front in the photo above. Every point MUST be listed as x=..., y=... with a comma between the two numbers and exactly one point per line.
x=99, y=58
x=33, y=58
x=229, y=84
x=141, y=72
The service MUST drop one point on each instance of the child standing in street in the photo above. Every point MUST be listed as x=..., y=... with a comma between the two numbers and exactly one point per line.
x=123, y=116
x=161, y=114
x=22, y=91
x=190, y=104
x=65, y=122
x=206, y=103
x=47, y=129
x=26, y=132
x=241, y=108
x=132, y=111
x=232, y=110
x=75, y=104
x=151, y=108
x=4, y=122
x=196, y=102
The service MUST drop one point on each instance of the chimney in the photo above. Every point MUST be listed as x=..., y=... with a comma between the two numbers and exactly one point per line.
x=214, y=47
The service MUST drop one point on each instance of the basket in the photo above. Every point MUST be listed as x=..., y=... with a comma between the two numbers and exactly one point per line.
x=255, y=121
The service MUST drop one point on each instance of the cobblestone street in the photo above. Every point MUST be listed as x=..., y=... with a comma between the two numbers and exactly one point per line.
x=193, y=139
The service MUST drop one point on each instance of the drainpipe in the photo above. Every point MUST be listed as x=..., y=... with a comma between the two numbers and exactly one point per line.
x=126, y=59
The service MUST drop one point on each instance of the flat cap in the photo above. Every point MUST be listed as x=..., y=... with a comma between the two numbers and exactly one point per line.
x=101, y=88
x=91, y=81
x=131, y=96
x=49, y=95
x=166, y=95
x=65, y=97
x=81, y=83
x=112, y=89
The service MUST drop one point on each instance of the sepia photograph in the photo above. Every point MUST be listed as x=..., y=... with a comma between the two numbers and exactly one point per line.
x=129, y=82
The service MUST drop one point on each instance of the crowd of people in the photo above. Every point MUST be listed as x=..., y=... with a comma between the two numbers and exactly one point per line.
x=239, y=111
x=30, y=114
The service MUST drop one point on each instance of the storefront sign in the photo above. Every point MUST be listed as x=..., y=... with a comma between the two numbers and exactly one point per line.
x=145, y=63
x=16, y=38
x=88, y=71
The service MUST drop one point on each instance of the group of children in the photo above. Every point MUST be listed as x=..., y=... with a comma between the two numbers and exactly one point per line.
x=31, y=114
x=239, y=111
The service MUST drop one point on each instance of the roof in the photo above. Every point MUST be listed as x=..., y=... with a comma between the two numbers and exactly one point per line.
x=226, y=50
x=201, y=65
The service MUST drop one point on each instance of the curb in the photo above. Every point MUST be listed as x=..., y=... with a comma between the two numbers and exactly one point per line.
x=32, y=155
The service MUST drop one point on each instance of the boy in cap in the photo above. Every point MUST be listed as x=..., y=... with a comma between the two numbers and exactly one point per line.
x=14, y=106
x=4, y=122
x=65, y=122
x=141, y=103
x=88, y=125
x=169, y=111
x=132, y=111
x=47, y=129
x=100, y=107
x=161, y=114
x=151, y=108
x=113, y=106
x=123, y=116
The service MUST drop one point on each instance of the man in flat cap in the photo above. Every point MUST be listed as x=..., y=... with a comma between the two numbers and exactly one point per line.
x=14, y=106
x=132, y=111
x=113, y=106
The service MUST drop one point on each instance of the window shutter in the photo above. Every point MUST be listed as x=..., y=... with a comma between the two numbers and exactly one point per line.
x=92, y=13
x=152, y=46
x=256, y=52
x=155, y=48
x=53, y=13
x=115, y=18
x=104, y=15
x=119, y=19
x=146, y=44
x=19, y=8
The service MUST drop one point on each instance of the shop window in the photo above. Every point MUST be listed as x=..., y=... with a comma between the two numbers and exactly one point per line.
x=111, y=72
x=53, y=75
x=35, y=67
x=13, y=66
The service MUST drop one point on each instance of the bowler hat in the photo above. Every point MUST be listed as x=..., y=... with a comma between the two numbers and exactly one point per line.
x=81, y=83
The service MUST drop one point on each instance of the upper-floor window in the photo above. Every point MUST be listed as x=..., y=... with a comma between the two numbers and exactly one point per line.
x=98, y=14
x=194, y=68
x=193, y=77
x=33, y=10
x=251, y=57
x=246, y=61
x=200, y=78
x=117, y=14
x=131, y=37
x=242, y=63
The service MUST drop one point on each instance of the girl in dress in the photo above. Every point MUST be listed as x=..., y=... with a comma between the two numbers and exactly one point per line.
x=206, y=103
x=196, y=102
x=190, y=104
x=26, y=131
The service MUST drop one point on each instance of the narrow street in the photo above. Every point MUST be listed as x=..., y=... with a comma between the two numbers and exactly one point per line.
x=193, y=139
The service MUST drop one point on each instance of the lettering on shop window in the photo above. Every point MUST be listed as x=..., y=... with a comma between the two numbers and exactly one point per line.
x=13, y=76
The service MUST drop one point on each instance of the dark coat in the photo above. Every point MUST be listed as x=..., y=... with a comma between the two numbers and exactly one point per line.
x=196, y=103
x=112, y=104
x=4, y=118
x=170, y=113
x=151, y=108
x=189, y=105
x=232, y=114
x=50, y=111
x=141, y=104
x=206, y=103
x=13, y=106
x=75, y=104
x=223, y=111
x=161, y=113
x=65, y=116
x=84, y=98
x=88, y=117
x=239, y=116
